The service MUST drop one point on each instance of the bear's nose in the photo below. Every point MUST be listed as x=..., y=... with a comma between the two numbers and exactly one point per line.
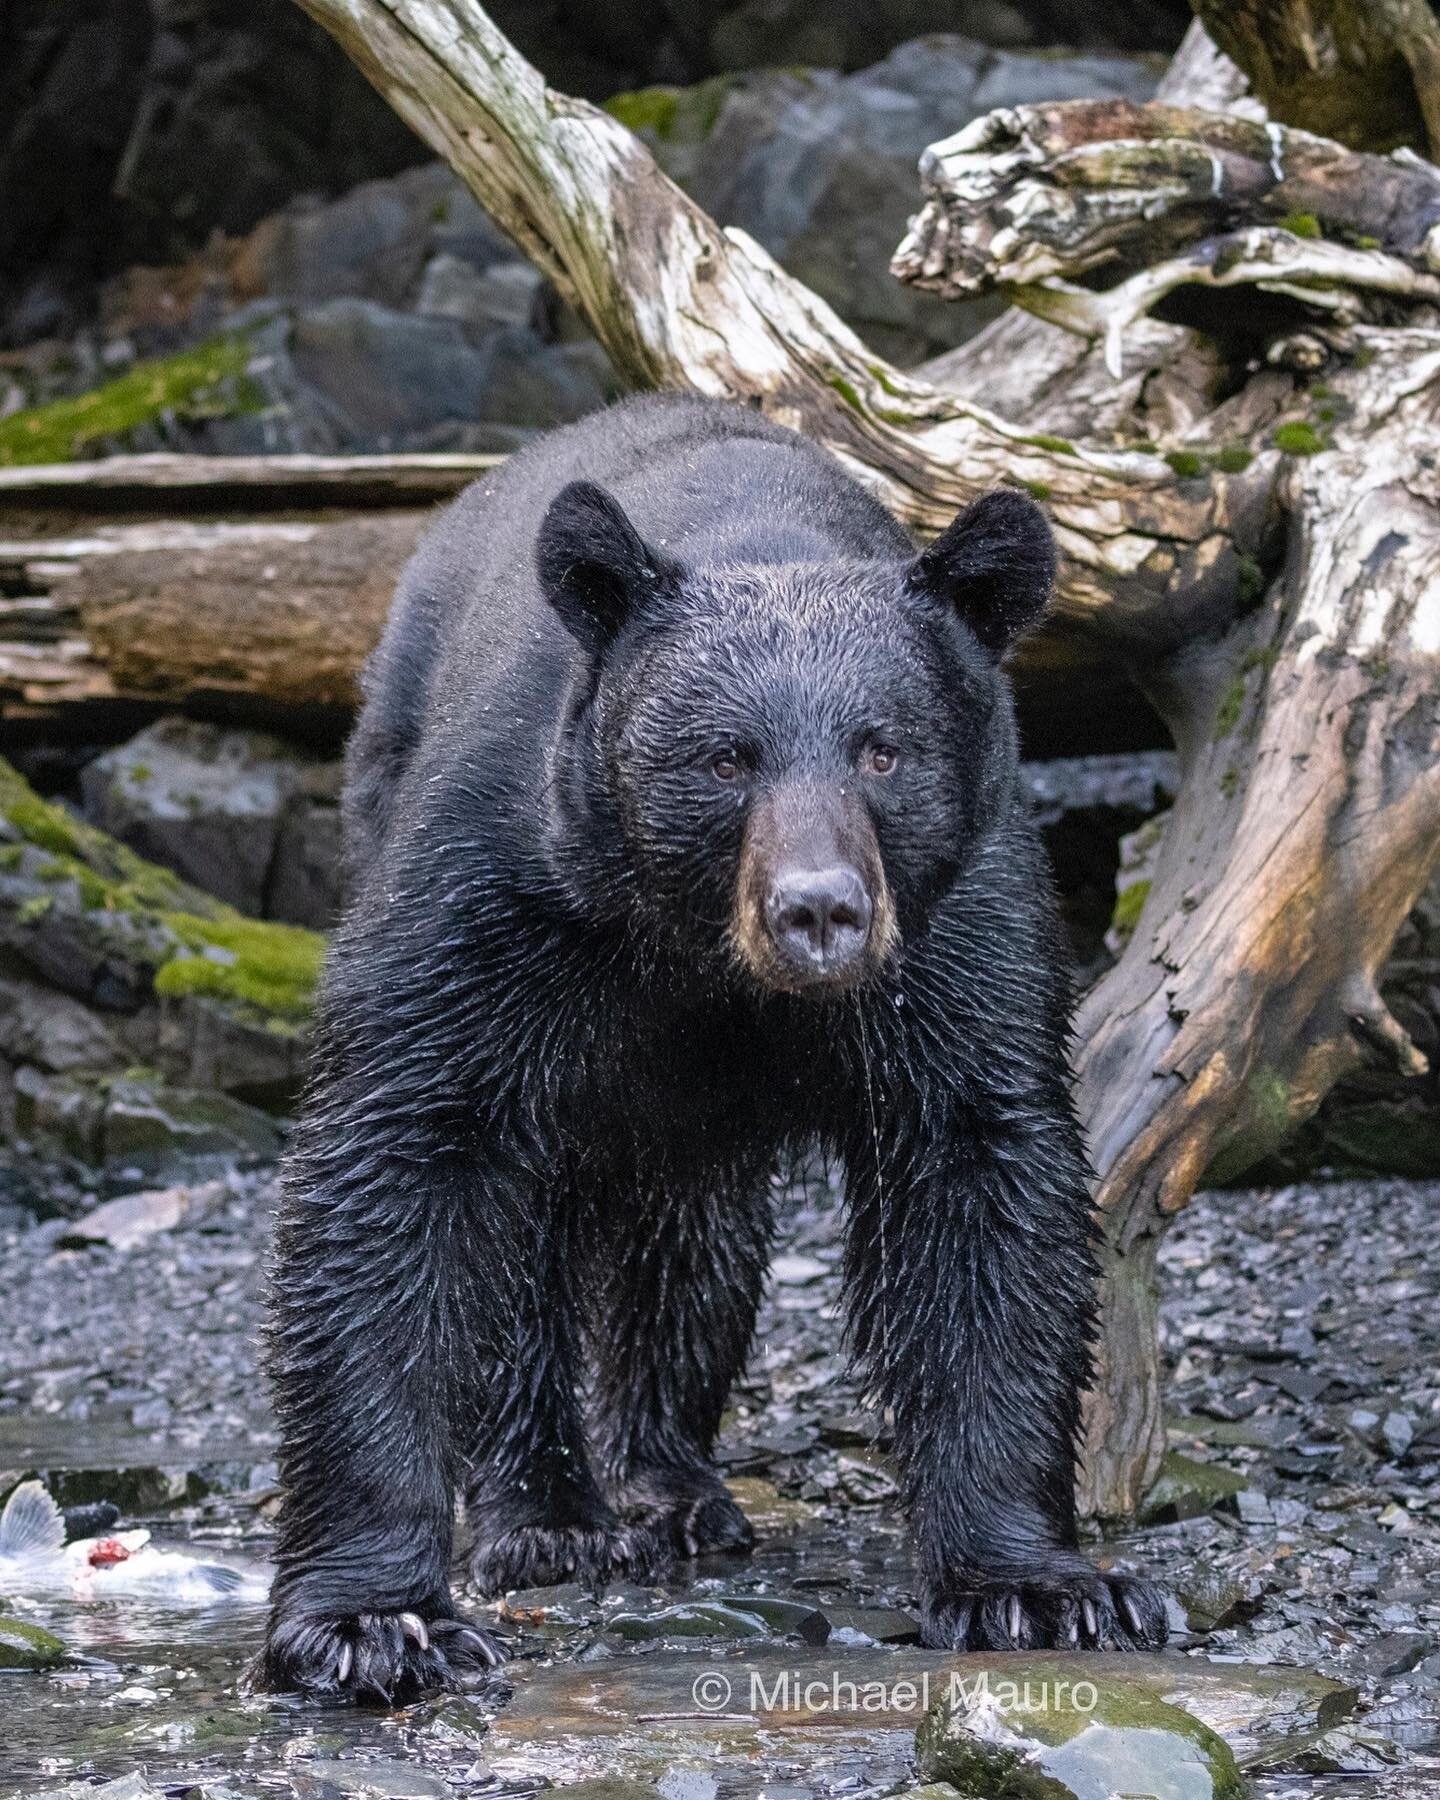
x=819, y=920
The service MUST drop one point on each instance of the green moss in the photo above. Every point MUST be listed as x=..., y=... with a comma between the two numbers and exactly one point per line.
x=1363, y=357
x=31, y=911
x=207, y=381
x=1037, y=490
x=1229, y=782
x=1299, y=439
x=1302, y=224
x=672, y=113
x=1249, y=579
x=141, y=772
x=1232, y=704
x=846, y=392
x=1321, y=390
x=1263, y=1123
x=47, y=827
x=264, y=969
x=1232, y=701
x=270, y=968
x=1365, y=242
x=646, y=109
x=1234, y=459
x=1129, y=904
x=1042, y=440
x=110, y=874
x=1187, y=464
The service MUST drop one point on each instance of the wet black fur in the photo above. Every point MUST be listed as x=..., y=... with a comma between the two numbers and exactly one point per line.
x=549, y=1097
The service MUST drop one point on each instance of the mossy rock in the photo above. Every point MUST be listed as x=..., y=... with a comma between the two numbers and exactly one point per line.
x=1186, y=1488
x=209, y=381
x=174, y=940
x=1071, y=1739
x=25, y=1646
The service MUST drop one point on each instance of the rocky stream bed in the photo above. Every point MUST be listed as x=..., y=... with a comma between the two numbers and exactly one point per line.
x=1297, y=1526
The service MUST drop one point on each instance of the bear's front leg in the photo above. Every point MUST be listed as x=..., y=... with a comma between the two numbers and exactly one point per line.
x=972, y=1286
x=536, y=1512
x=370, y=1292
x=682, y=1277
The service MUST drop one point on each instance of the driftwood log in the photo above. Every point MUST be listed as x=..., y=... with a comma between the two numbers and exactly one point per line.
x=254, y=585
x=1224, y=386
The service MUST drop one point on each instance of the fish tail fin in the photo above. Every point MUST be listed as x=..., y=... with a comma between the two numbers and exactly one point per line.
x=31, y=1524
x=217, y=1576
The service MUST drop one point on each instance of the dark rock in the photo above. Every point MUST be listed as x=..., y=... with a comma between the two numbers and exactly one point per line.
x=201, y=800
x=820, y=167
x=1184, y=1489
x=1397, y=1653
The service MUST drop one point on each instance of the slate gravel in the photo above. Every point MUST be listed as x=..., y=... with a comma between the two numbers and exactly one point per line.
x=1301, y=1329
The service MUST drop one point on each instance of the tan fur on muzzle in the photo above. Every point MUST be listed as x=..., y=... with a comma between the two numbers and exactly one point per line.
x=807, y=826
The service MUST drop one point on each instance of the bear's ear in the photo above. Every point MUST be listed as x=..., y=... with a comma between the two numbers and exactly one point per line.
x=594, y=566
x=995, y=564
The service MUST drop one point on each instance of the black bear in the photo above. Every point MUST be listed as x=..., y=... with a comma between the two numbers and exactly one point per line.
x=685, y=828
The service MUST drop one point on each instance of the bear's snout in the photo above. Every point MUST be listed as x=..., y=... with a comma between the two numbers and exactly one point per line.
x=813, y=912
x=819, y=921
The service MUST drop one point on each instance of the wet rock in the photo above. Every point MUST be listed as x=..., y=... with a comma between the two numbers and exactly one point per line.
x=127, y=1787
x=1397, y=1432
x=203, y=801
x=1185, y=1488
x=379, y=1780
x=1252, y=1507
x=146, y=1126
x=722, y=1616
x=306, y=885
x=640, y=1714
x=133, y=1218
x=173, y=1013
x=790, y=1270
x=1214, y=1600
x=616, y=1787
x=1397, y=1653
x=863, y=1625
x=26, y=1646
x=999, y=1743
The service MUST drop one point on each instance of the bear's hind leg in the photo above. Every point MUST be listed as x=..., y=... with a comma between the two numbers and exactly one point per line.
x=676, y=1316
x=536, y=1512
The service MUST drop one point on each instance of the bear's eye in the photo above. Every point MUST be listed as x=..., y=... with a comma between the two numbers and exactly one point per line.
x=882, y=759
x=725, y=766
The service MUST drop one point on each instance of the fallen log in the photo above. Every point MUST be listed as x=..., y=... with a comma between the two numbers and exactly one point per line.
x=274, y=616
x=257, y=483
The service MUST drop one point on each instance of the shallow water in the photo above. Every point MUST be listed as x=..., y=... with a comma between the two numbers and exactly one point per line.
x=131, y=1376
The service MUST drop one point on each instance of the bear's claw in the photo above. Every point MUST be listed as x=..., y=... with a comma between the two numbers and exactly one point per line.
x=1087, y=1610
x=375, y=1657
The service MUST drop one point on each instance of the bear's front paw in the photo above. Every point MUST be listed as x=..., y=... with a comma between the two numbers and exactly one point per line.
x=1072, y=1607
x=697, y=1526
x=529, y=1556
x=377, y=1657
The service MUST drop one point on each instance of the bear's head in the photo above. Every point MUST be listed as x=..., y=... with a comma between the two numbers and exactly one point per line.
x=785, y=765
